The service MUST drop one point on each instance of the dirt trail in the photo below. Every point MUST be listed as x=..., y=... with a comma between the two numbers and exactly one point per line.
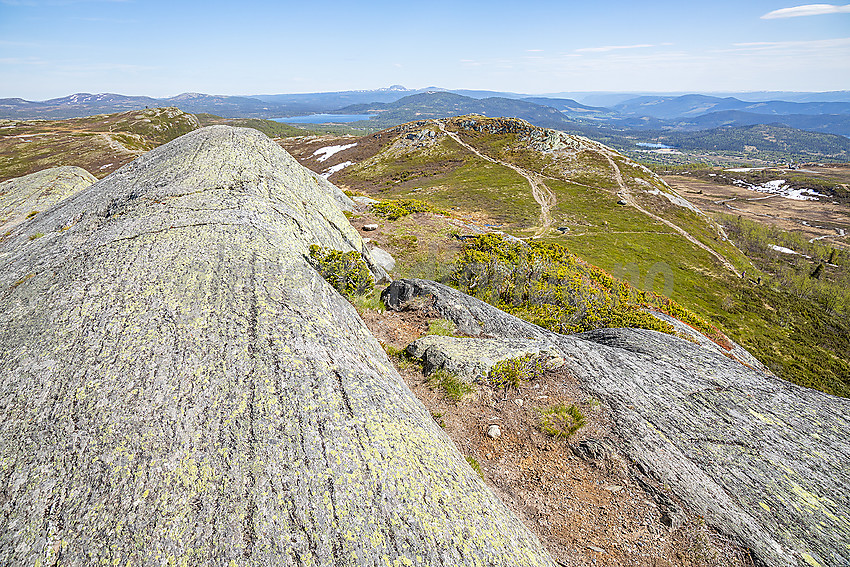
x=542, y=194
x=627, y=196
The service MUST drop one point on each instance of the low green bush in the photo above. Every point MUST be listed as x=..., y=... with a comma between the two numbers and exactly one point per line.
x=545, y=284
x=452, y=386
x=442, y=327
x=395, y=209
x=561, y=421
x=513, y=372
x=347, y=272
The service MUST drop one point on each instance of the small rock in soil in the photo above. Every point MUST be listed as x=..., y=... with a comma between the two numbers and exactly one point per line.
x=494, y=432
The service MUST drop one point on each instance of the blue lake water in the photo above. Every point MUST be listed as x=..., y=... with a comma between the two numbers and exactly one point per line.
x=648, y=145
x=323, y=118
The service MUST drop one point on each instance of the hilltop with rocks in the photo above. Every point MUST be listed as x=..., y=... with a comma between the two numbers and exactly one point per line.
x=178, y=385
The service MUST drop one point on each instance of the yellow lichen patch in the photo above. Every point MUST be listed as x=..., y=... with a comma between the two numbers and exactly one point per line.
x=810, y=560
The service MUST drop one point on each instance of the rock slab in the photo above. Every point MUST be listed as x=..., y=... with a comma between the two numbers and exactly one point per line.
x=24, y=197
x=179, y=387
x=763, y=460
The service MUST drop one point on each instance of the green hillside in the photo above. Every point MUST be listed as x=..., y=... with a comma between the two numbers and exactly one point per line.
x=481, y=170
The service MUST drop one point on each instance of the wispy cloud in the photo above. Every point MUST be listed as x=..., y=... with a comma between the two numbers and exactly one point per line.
x=816, y=44
x=21, y=61
x=807, y=10
x=534, y=50
x=606, y=48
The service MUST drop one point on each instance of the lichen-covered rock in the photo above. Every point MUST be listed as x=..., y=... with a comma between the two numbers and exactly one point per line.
x=474, y=318
x=737, y=351
x=179, y=387
x=761, y=459
x=342, y=200
x=24, y=197
x=470, y=358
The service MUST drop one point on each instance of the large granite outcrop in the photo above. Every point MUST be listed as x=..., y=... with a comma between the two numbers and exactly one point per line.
x=24, y=197
x=179, y=387
x=761, y=459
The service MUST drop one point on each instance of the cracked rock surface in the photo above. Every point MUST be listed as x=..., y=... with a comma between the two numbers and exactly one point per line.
x=179, y=387
x=762, y=460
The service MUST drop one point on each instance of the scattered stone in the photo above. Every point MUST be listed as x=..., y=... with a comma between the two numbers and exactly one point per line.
x=383, y=258
x=518, y=402
x=596, y=549
x=622, y=202
x=468, y=358
x=613, y=488
x=494, y=432
x=369, y=227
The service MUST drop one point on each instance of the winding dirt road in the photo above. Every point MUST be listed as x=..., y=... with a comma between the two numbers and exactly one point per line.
x=547, y=200
x=542, y=194
x=627, y=196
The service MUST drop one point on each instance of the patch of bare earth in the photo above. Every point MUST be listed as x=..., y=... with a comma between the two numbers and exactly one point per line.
x=815, y=219
x=585, y=512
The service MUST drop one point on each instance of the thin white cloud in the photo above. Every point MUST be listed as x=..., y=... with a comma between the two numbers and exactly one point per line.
x=534, y=50
x=21, y=61
x=606, y=48
x=781, y=45
x=807, y=10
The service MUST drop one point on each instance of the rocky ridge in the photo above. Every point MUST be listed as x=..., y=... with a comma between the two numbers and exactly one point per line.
x=179, y=386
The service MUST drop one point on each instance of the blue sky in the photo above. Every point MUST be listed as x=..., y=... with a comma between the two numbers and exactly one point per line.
x=51, y=48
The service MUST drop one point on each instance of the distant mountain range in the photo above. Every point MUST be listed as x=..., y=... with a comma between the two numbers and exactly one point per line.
x=697, y=105
x=442, y=104
x=84, y=104
x=397, y=104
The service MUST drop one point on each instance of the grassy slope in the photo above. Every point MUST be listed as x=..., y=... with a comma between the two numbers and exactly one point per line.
x=99, y=144
x=270, y=128
x=795, y=337
x=103, y=143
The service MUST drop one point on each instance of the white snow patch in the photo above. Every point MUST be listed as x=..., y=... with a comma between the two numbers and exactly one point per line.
x=334, y=168
x=328, y=151
x=105, y=166
x=841, y=232
x=778, y=187
x=782, y=249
